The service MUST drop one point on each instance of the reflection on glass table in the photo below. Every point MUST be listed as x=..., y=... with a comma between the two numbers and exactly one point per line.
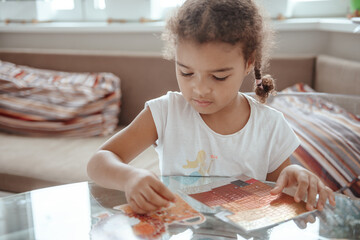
x=82, y=210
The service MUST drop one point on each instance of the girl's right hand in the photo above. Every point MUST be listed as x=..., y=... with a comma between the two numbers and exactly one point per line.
x=146, y=193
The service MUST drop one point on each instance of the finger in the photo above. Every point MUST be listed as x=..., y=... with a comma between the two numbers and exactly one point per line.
x=331, y=196
x=310, y=218
x=303, y=184
x=145, y=204
x=163, y=191
x=327, y=193
x=281, y=183
x=134, y=206
x=323, y=196
x=312, y=192
x=300, y=223
x=156, y=199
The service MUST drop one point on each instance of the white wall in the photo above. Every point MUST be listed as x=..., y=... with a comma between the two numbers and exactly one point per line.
x=310, y=37
x=342, y=45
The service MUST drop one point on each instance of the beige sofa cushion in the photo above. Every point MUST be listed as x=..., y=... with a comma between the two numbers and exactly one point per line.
x=335, y=75
x=39, y=162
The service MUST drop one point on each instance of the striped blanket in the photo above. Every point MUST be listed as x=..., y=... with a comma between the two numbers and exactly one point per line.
x=330, y=138
x=41, y=102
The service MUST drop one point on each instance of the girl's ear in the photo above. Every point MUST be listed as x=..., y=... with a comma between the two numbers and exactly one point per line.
x=250, y=62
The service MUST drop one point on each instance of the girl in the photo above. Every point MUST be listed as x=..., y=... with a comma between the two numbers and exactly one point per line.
x=210, y=128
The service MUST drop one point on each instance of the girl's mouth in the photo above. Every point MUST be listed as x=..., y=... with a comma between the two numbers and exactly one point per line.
x=202, y=103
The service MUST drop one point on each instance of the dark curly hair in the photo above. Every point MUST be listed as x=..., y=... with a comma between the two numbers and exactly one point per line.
x=229, y=21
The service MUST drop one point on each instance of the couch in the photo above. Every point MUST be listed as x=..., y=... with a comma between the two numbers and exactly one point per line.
x=28, y=163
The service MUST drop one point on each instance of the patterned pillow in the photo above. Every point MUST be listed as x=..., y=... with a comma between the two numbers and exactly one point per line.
x=41, y=102
x=330, y=137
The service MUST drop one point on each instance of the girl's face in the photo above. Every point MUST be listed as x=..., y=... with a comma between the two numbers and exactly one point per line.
x=210, y=74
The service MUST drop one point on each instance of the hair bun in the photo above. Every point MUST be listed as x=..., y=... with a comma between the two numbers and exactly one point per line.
x=267, y=87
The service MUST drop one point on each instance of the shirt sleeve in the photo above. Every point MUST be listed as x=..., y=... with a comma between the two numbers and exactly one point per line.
x=284, y=143
x=159, y=112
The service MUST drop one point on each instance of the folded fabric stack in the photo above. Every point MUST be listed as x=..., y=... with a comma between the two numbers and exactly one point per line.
x=41, y=102
x=329, y=135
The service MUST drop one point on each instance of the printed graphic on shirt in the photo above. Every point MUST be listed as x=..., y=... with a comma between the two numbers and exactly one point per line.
x=201, y=163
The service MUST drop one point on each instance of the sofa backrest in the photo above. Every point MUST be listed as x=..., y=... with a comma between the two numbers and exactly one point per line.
x=335, y=75
x=287, y=71
x=147, y=77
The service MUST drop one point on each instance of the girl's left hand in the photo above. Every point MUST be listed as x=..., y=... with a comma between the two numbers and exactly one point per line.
x=308, y=184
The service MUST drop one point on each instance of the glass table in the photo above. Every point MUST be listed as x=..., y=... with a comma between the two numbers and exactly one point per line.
x=74, y=211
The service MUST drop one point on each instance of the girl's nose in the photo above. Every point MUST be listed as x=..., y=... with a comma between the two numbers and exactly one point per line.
x=201, y=87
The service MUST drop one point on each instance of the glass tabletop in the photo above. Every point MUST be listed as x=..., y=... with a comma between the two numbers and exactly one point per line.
x=79, y=211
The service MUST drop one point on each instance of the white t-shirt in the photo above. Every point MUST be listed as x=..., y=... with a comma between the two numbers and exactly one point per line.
x=187, y=146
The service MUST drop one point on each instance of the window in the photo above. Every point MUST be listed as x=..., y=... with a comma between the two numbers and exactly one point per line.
x=66, y=10
x=63, y=4
x=319, y=8
x=92, y=10
x=133, y=10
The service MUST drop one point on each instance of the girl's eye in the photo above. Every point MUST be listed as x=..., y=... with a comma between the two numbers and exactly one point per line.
x=220, y=78
x=186, y=74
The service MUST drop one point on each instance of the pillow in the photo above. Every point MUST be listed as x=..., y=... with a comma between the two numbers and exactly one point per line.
x=330, y=137
x=40, y=102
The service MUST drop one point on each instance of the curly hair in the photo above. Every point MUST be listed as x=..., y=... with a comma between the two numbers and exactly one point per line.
x=229, y=21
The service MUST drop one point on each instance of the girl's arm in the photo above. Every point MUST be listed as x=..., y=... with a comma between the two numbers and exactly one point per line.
x=273, y=176
x=307, y=185
x=109, y=166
